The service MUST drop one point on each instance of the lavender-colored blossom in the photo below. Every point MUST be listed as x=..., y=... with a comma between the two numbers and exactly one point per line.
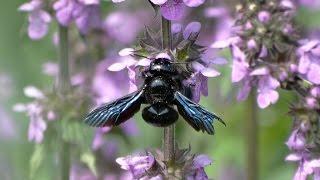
x=173, y=9
x=199, y=79
x=123, y=31
x=196, y=171
x=138, y=165
x=86, y=14
x=105, y=83
x=38, y=19
x=129, y=63
x=267, y=86
x=191, y=29
x=79, y=172
x=37, y=125
x=309, y=61
x=9, y=128
x=297, y=140
x=264, y=16
x=312, y=4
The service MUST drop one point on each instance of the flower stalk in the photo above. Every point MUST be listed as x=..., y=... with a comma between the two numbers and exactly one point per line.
x=168, y=132
x=63, y=87
x=252, y=131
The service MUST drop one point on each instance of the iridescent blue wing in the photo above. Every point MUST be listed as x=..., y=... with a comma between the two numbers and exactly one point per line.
x=116, y=112
x=195, y=115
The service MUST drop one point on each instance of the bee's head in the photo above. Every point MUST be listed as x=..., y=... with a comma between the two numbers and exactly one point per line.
x=162, y=66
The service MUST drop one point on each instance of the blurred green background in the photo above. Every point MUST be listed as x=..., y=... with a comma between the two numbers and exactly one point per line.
x=21, y=60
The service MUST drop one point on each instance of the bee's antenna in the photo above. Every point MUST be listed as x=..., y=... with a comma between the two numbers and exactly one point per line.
x=179, y=62
x=138, y=55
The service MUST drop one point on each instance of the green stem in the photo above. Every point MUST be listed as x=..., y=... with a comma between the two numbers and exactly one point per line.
x=63, y=87
x=252, y=130
x=169, y=132
x=63, y=84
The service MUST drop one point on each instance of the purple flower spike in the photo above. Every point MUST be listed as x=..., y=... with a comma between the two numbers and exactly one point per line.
x=137, y=165
x=38, y=19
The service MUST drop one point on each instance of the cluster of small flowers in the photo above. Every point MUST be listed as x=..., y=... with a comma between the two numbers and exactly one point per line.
x=262, y=48
x=268, y=54
x=153, y=167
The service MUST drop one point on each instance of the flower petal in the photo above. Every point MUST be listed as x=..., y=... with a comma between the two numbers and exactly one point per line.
x=210, y=72
x=172, y=10
x=193, y=3
x=191, y=29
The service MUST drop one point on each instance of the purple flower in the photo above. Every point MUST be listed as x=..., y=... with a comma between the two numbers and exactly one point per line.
x=37, y=125
x=85, y=13
x=240, y=68
x=297, y=140
x=38, y=19
x=306, y=168
x=87, y=18
x=129, y=63
x=313, y=4
x=264, y=16
x=199, y=79
x=196, y=171
x=123, y=31
x=173, y=9
x=9, y=128
x=191, y=29
x=35, y=111
x=309, y=61
x=138, y=165
x=266, y=87
x=79, y=172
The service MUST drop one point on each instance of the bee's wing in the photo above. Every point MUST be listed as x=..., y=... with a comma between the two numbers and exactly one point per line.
x=116, y=112
x=194, y=114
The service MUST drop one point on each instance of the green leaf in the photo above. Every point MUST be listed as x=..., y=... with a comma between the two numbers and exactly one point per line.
x=89, y=159
x=75, y=133
x=36, y=160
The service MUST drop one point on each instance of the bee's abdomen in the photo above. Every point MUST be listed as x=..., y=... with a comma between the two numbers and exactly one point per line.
x=160, y=115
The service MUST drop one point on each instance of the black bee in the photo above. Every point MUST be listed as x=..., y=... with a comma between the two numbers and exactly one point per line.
x=162, y=90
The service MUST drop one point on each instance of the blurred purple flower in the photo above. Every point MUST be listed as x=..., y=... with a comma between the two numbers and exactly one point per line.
x=173, y=10
x=264, y=16
x=129, y=63
x=309, y=61
x=79, y=172
x=312, y=4
x=191, y=29
x=35, y=112
x=123, y=31
x=138, y=165
x=38, y=19
x=85, y=13
x=9, y=128
x=196, y=171
x=37, y=125
x=130, y=128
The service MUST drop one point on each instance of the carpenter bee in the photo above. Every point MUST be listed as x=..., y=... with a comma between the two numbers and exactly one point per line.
x=163, y=89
